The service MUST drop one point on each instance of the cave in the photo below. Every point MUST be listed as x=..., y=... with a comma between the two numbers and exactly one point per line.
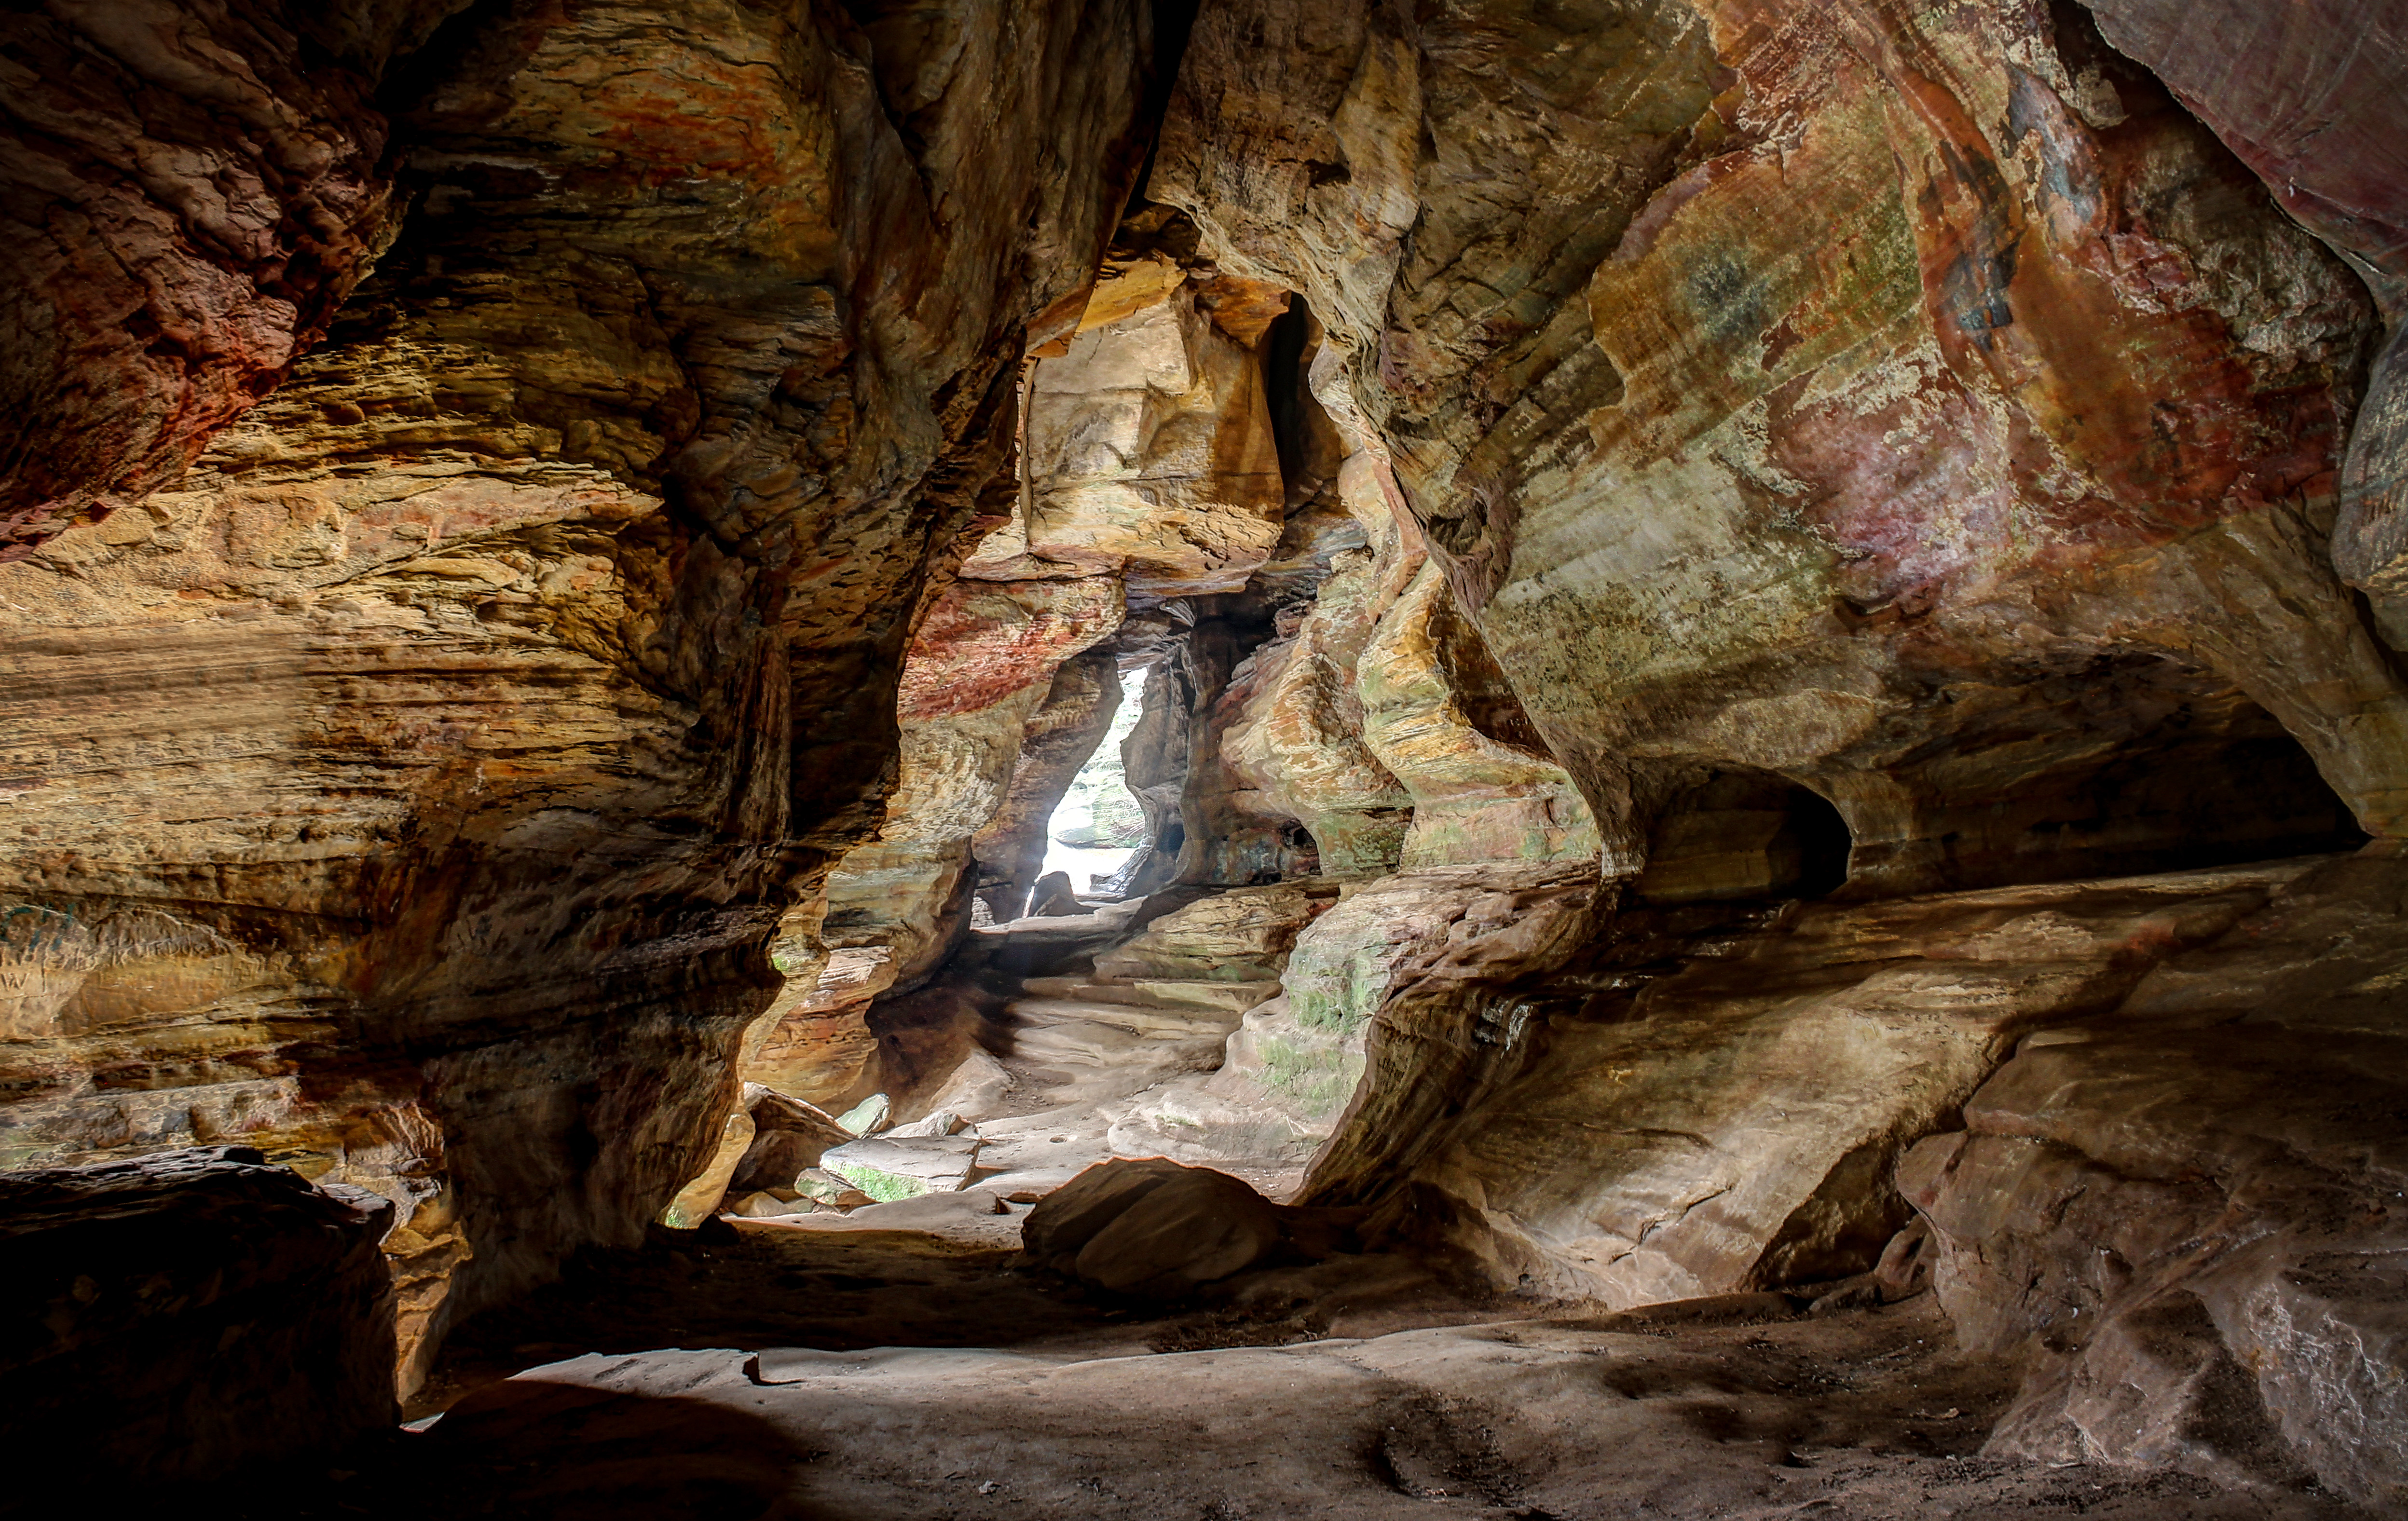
x=1117, y=759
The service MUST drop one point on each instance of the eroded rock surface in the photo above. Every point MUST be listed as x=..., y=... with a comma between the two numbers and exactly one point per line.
x=2192, y=1215
x=1761, y=630
x=1873, y=1417
x=412, y=792
x=1769, y=384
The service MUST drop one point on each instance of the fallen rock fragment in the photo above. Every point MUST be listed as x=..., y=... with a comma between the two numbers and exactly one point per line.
x=888, y=1168
x=1054, y=898
x=788, y=1136
x=976, y=1088
x=765, y=1205
x=866, y=1116
x=943, y=1122
x=822, y=1187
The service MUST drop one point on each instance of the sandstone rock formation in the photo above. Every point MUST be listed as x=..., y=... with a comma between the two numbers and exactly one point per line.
x=1157, y=1229
x=980, y=671
x=184, y=1316
x=410, y=790
x=1767, y=639
x=2189, y=1216
x=1058, y=739
x=190, y=192
x=1797, y=422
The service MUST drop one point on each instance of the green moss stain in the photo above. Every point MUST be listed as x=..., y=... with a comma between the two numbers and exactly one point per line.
x=1316, y=1082
x=886, y=1187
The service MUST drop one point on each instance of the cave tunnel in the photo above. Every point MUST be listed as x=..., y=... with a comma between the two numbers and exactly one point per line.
x=770, y=760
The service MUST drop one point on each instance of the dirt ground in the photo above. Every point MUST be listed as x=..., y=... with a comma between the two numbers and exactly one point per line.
x=760, y=1371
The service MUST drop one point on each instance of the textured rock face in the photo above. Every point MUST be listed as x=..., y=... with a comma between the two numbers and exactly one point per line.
x=2308, y=95
x=188, y=193
x=1836, y=393
x=2192, y=1216
x=1761, y=652
x=1055, y=742
x=1384, y=951
x=179, y=1316
x=1736, y=1085
x=1151, y=452
x=980, y=672
x=412, y=790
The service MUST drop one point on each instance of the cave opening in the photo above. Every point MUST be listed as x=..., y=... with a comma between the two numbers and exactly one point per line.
x=1738, y=833
x=1098, y=824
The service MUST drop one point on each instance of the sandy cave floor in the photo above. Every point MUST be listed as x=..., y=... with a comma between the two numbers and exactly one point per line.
x=755, y=1369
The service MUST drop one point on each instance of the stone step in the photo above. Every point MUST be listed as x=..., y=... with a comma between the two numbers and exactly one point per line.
x=1156, y=992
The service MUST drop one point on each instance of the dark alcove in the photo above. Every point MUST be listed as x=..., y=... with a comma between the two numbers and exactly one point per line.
x=1744, y=834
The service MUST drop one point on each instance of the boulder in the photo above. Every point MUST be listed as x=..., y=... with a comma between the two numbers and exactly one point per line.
x=866, y=1116
x=1152, y=1228
x=976, y=1087
x=822, y=1187
x=1054, y=898
x=765, y=1205
x=888, y=1168
x=175, y=1318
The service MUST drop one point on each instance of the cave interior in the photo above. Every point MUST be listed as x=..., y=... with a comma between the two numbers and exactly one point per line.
x=1255, y=758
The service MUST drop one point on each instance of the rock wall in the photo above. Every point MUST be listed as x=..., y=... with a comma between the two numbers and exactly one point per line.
x=1838, y=392
x=1770, y=616
x=2191, y=1217
x=188, y=1316
x=189, y=192
x=1859, y=450
x=980, y=672
x=1058, y=740
x=412, y=790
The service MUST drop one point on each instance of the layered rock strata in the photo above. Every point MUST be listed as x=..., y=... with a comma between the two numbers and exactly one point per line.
x=413, y=790
x=1923, y=409
x=2191, y=1217
x=980, y=669
x=1748, y=614
x=189, y=192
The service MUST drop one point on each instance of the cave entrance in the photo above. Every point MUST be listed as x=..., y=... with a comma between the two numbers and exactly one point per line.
x=1098, y=825
x=1744, y=834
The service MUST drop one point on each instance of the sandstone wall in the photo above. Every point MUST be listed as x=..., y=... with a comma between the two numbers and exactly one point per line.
x=412, y=790
x=1807, y=577
x=1837, y=391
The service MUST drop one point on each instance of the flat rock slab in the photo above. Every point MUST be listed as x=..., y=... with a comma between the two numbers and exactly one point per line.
x=937, y=1163
x=973, y=1217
